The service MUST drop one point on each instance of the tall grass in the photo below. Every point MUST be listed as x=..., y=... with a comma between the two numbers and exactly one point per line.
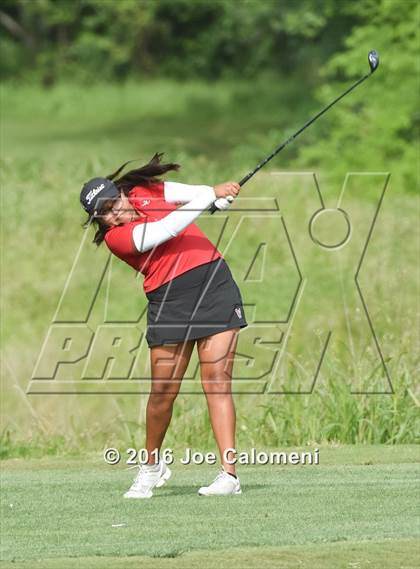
x=53, y=141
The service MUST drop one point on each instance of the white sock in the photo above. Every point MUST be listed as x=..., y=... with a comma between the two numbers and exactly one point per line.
x=152, y=467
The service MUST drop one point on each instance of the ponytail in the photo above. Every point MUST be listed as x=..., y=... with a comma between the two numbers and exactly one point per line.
x=144, y=176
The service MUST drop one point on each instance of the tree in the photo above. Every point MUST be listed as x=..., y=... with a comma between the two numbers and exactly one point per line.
x=377, y=126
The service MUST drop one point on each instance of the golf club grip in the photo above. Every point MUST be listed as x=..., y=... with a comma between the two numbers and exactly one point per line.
x=213, y=207
x=244, y=180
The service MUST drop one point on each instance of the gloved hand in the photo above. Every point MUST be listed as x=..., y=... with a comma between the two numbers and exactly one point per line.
x=224, y=203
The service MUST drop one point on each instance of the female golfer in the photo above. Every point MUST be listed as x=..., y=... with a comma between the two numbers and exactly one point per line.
x=192, y=298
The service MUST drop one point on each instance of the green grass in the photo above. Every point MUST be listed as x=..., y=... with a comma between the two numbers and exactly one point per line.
x=358, y=508
x=52, y=141
x=387, y=554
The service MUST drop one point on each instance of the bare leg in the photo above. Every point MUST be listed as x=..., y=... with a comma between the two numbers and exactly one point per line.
x=216, y=355
x=169, y=364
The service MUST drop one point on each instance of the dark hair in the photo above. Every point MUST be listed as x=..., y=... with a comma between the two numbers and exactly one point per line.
x=146, y=176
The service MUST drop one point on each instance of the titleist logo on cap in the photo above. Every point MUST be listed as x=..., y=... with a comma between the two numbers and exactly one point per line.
x=92, y=193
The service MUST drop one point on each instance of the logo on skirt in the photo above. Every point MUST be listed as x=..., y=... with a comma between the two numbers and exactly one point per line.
x=238, y=312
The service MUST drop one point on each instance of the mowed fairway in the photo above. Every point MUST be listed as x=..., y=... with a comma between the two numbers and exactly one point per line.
x=358, y=508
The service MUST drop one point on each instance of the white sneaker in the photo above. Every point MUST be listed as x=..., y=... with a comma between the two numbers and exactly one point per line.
x=148, y=478
x=223, y=485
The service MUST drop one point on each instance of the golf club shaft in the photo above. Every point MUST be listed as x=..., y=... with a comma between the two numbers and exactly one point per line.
x=296, y=134
x=244, y=180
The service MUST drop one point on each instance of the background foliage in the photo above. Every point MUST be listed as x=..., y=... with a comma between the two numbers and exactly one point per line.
x=319, y=44
x=57, y=39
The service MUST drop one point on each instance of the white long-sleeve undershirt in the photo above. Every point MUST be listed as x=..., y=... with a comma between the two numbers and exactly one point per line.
x=184, y=193
x=175, y=192
x=197, y=199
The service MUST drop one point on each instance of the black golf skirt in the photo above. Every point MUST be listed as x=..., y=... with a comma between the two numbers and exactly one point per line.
x=201, y=302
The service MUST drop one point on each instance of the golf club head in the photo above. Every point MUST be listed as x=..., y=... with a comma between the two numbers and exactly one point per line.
x=373, y=58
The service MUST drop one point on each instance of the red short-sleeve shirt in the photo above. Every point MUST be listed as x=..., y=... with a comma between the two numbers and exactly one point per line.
x=187, y=250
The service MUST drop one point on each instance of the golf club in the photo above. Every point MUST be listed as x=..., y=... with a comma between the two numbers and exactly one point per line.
x=373, y=59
